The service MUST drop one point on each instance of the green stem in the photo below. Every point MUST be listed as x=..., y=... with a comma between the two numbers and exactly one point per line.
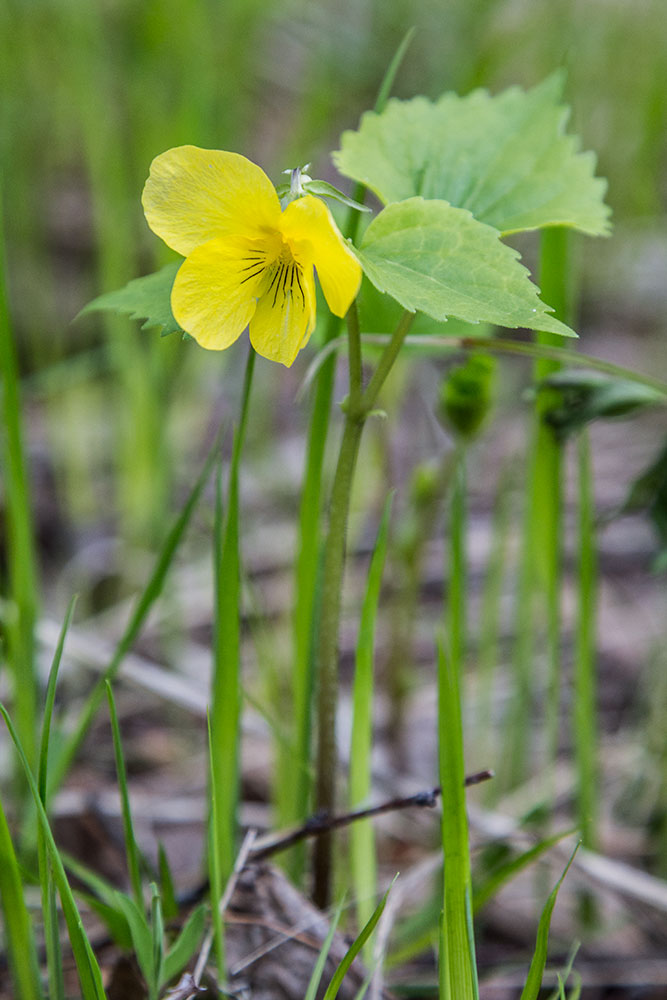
x=387, y=359
x=305, y=612
x=548, y=471
x=296, y=783
x=500, y=345
x=456, y=600
x=359, y=404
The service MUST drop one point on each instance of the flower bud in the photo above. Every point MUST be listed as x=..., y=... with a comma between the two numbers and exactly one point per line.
x=466, y=395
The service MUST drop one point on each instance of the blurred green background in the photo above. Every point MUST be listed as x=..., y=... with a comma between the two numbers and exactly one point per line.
x=92, y=91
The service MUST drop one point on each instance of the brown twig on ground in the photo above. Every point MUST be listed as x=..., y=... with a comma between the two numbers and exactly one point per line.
x=271, y=844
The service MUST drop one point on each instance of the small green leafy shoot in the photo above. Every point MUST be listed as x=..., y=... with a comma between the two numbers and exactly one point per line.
x=536, y=971
x=167, y=890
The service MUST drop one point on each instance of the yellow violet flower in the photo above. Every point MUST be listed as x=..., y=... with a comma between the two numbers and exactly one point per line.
x=246, y=260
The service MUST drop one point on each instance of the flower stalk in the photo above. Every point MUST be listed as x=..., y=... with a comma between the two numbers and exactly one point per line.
x=357, y=407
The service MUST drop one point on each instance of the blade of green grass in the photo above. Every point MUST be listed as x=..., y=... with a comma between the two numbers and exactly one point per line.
x=363, y=859
x=585, y=708
x=226, y=682
x=21, y=563
x=490, y=615
x=54, y=964
x=18, y=934
x=584, y=723
x=131, y=849
x=507, y=871
x=142, y=607
x=167, y=889
x=547, y=475
x=213, y=858
x=157, y=931
x=458, y=972
x=318, y=969
x=356, y=946
x=539, y=959
x=90, y=976
x=141, y=462
x=142, y=938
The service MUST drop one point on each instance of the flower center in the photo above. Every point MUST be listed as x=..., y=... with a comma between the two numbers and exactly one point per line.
x=276, y=271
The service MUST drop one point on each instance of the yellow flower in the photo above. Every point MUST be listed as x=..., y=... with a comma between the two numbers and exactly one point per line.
x=246, y=260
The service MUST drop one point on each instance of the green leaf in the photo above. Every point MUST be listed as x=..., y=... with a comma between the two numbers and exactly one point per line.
x=438, y=259
x=167, y=890
x=506, y=158
x=185, y=944
x=379, y=313
x=147, y=299
x=142, y=938
x=112, y=918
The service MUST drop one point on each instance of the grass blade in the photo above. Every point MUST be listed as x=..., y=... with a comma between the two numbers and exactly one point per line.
x=355, y=948
x=458, y=973
x=131, y=849
x=362, y=841
x=539, y=960
x=226, y=684
x=54, y=963
x=21, y=571
x=318, y=969
x=507, y=871
x=167, y=889
x=90, y=976
x=214, y=874
x=585, y=709
x=18, y=935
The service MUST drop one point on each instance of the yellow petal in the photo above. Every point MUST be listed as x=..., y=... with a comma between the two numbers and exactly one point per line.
x=285, y=316
x=215, y=292
x=308, y=225
x=193, y=195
